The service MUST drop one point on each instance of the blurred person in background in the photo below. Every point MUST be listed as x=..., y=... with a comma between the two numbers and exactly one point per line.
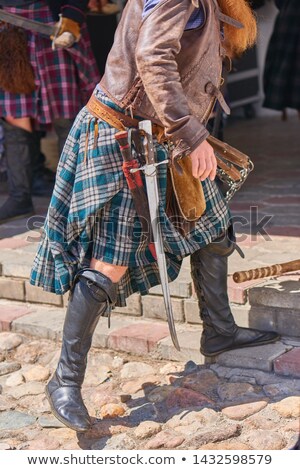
x=43, y=84
x=282, y=65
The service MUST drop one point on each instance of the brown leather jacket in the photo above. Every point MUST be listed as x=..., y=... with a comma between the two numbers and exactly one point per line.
x=157, y=70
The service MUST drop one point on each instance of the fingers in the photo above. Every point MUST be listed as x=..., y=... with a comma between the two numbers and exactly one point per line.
x=208, y=168
x=195, y=166
x=214, y=170
x=204, y=163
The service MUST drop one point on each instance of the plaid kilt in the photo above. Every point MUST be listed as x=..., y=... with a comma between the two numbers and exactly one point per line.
x=91, y=214
x=282, y=65
x=64, y=78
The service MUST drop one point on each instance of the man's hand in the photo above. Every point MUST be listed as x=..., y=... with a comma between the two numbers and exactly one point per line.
x=68, y=32
x=204, y=163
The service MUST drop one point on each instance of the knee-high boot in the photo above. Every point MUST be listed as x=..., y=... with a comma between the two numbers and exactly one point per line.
x=92, y=296
x=220, y=332
x=20, y=151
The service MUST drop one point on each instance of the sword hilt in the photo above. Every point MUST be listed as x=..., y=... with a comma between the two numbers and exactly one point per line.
x=145, y=167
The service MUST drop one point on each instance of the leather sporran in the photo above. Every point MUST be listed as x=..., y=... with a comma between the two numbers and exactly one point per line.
x=185, y=197
x=16, y=72
x=188, y=190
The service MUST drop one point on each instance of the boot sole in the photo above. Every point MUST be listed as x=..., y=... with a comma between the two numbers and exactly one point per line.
x=239, y=347
x=21, y=216
x=62, y=420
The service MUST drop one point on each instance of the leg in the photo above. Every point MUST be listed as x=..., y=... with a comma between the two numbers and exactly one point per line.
x=93, y=295
x=20, y=150
x=42, y=178
x=113, y=272
x=62, y=128
x=220, y=332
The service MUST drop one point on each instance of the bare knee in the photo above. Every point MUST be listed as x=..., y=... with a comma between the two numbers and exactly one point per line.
x=110, y=270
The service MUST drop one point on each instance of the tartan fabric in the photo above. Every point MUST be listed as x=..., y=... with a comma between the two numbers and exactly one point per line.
x=282, y=65
x=91, y=214
x=64, y=78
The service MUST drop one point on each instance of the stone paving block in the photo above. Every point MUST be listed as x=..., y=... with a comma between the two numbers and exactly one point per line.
x=287, y=231
x=133, y=307
x=189, y=342
x=65, y=299
x=9, y=313
x=30, y=249
x=291, y=340
x=38, y=295
x=191, y=311
x=138, y=338
x=288, y=363
x=263, y=318
x=102, y=332
x=241, y=314
x=153, y=307
x=277, y=293
x=258, y=357
x=41, y=323
x=288, y=322
x=238, y=293
x=249, y=240
x=178, y=288
x=15, y=266
x=283, y=200
x=12, y=243
x=12, y=289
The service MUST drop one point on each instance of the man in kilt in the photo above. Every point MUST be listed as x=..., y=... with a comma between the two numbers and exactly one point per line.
x=166, y=65
x=41, y=85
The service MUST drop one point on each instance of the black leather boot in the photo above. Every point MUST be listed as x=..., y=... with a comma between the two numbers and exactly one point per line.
x=92, y=296
x=220, y=332
x=20, y=149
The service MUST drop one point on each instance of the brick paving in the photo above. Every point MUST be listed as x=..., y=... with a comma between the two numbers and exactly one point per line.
x=247, y=383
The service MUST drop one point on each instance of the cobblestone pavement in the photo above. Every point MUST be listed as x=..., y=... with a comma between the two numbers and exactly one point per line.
x=143, y=403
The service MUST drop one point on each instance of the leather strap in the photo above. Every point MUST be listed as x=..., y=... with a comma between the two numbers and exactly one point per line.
x=113, y=117
x=117, y=119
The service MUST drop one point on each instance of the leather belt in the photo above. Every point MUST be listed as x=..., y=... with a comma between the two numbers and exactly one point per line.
x=117, y=119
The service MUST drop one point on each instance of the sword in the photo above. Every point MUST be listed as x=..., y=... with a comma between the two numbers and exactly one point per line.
x=150, y=172
x=42, y=28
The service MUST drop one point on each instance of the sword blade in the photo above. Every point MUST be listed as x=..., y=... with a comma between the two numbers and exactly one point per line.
x=31, y=25
x=153, y=199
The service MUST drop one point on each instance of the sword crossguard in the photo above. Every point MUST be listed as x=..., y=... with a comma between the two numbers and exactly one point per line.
x=145, y=167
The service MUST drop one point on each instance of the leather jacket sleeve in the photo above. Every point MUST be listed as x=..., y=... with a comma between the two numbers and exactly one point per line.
x=157, y=47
